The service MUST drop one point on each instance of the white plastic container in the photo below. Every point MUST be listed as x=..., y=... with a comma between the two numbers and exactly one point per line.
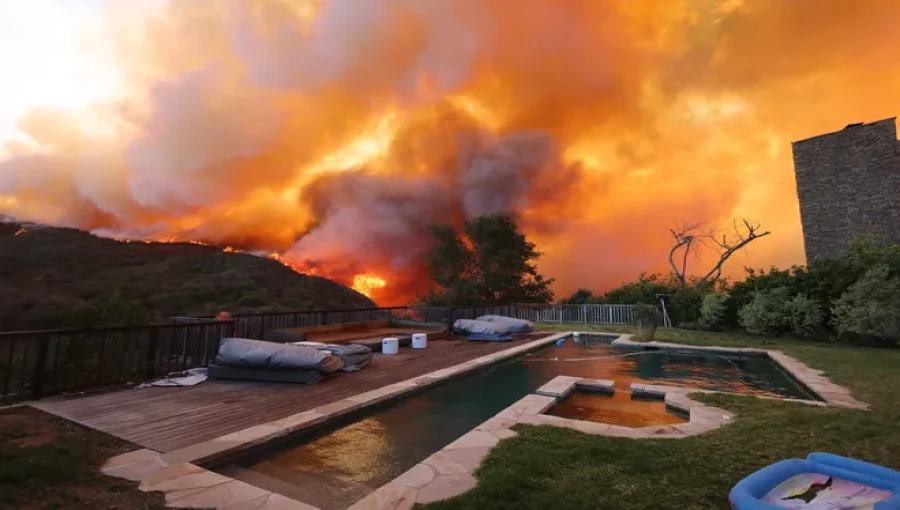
x=419, y=340
x=390, y=345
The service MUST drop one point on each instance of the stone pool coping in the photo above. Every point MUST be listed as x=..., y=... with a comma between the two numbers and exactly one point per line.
x=448, y=472
x=811, y=379
x=187, y=485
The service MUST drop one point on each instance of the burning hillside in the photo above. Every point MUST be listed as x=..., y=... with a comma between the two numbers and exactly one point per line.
x=48, y=276
x=332, y=132
x=366, y=284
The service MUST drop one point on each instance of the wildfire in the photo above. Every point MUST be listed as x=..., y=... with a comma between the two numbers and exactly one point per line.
x=277, y=256
x=367, y=283
x=21, y=231
x=328, y=134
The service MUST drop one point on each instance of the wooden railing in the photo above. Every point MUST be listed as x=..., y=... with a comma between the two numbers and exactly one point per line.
x=39, y=363
x=34, y=364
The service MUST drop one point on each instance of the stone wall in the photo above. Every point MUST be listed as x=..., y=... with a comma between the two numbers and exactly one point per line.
x=848, y=183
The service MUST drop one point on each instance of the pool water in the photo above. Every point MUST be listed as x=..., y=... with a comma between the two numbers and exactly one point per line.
x=617, y=409
x=335, y=466
x=746, y=375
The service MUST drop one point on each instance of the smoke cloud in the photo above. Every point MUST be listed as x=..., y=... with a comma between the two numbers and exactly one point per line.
x=335, y=131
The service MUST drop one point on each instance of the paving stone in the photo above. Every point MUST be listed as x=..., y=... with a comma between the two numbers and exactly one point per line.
x=419, y=476
x=443, y=464
x=559, y=386
x=300, y=421
x=531, y=419
x=337, y=408
x=468, y=458
x=590, y=427
x=389, y=497
x=473, y=439
x=201, y=479
x=664, y=432
x=202, y=452
x=539, y=405
x=136, y=471
x=371, y=397
x=130, y=458
x=658, y=390
x=255, y=434
x=445, y=486
x=168, y=473
x=218, y=496
x=504, y=433
x=497, y=422
x=617, y=431
x=250, y=504
x=279, y=502
x=694, y=428
x=597, y=384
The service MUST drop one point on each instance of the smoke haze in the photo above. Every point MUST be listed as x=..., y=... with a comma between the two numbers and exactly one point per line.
x=334, y=131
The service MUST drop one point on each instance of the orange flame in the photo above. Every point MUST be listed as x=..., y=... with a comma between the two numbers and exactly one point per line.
x=331, y=137
x=367, y=283
x=21, y=231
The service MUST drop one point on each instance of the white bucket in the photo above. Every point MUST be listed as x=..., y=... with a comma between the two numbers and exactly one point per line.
x=419, y=340
x=390, y=345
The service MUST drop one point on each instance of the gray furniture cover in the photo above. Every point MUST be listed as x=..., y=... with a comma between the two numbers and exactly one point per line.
x=354, y=356
x=468, y=326
x=263, y=374
x=516, y=325
x=246, y=353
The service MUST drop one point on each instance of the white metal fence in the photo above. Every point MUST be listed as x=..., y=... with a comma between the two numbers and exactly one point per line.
x=584, y=314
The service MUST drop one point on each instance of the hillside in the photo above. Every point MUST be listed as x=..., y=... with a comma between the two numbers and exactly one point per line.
x=49, y=276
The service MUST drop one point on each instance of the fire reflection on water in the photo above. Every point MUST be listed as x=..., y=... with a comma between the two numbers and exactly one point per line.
x=336, y=467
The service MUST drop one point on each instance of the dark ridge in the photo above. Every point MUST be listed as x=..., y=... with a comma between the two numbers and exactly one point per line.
x=47, y=273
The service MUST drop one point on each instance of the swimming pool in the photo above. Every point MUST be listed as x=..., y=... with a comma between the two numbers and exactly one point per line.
x=339, y=463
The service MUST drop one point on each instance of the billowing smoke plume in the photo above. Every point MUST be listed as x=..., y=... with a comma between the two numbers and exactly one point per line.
x=334, y=131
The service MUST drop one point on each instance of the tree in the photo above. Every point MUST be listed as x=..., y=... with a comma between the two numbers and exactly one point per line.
x=580, y=297
x=488, y=262
x=109, y=310
x=869, y=307
x=691, y=239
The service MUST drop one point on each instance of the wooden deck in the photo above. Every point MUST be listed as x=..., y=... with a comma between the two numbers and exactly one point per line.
x=166, y=419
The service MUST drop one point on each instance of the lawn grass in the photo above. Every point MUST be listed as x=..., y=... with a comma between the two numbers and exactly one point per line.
x=49, y=463
x=550, y=467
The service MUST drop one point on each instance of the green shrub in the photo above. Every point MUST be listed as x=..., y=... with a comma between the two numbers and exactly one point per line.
x=823, y=280
x=807, y=316
x=683, y=303
x=109, y=310
x=712, y=311
x=870, y=309
x=252, y=300
x=767, y=313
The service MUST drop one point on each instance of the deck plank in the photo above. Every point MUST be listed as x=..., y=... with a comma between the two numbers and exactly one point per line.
x=166, y=419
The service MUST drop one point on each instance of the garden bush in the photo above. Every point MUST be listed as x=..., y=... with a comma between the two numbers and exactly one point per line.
x=712, y=311
x=870, y=309
x=767, y=312
x=807, y=316
x=823, y=281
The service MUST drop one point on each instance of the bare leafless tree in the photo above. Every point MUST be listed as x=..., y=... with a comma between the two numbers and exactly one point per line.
x=691, y=239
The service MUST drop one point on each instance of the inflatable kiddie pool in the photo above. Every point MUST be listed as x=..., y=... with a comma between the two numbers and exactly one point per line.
x=822, y=481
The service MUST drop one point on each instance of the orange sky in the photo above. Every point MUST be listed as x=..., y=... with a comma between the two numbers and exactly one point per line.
x=334, y=131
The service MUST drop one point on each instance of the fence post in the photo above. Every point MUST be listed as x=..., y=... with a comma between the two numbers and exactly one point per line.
x=40, y=368
x=152, y=348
